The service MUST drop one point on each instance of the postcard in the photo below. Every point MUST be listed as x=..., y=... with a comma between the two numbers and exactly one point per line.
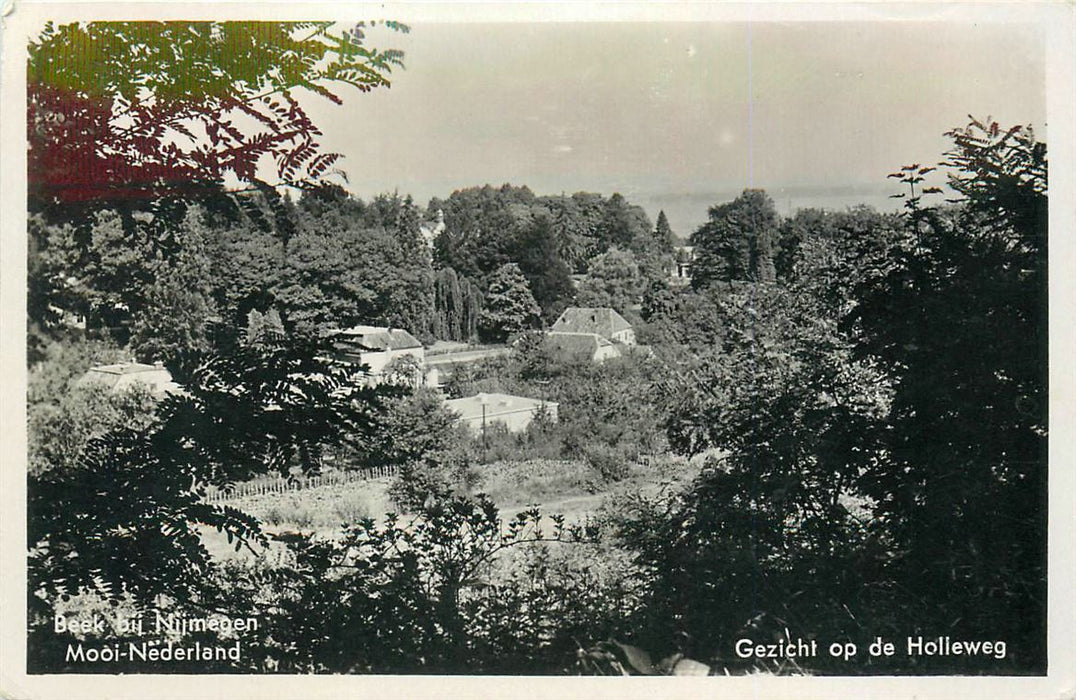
x=497, y=349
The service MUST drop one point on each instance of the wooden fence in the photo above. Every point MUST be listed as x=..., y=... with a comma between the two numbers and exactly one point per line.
x=267, y=485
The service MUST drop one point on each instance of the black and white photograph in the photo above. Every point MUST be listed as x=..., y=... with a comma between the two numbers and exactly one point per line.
x=476, y=342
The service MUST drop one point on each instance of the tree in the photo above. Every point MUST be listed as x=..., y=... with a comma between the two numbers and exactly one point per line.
x=415, y=426
x=59, y=431
x=737, y=243
x=429, y=594
x=406, y=284
x=960, y=314
x=860, y=227
x=120, y=110
x=658, y=301
x=614, y=280
x=547, y=274
x=549, y=237
x=130, y=123
x=482, y=226
x=510, y=307
x=173, y=325
x=250, y=269
x=663, y=233
x=355, y=264
x=422, y=438
x=264, y=328
x=1001, y=174
x=622, y=224
x=684, y=320
x=881, y=417
x=768, y=536
x=803, y=224
x=121, y=520
x=447, y=305
x=99, y=271
x=573, y=238
x=457, y=306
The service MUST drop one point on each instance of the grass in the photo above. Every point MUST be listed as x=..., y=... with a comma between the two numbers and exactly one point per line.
x=535, y=481
x=509, y=484
x=571, y=488
x=321, y=507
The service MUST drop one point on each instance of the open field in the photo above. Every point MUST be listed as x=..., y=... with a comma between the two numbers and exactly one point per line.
x=565, y=487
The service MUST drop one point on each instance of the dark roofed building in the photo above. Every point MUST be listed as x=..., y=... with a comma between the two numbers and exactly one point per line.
x=603, y=321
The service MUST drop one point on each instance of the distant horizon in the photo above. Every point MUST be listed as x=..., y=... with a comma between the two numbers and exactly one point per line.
x=687, y=211
x=680, y=116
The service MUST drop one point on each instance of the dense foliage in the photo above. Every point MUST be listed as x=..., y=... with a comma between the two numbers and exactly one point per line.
x=882, y=421
x=866, y=392
x=738, y=242
x=510, y=306
x=550, y=237
x=143, y=110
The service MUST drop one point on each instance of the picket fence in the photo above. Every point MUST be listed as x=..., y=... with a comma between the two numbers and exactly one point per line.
x=280, y=484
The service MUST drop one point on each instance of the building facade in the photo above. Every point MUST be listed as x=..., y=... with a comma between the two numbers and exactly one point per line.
x=602, y=321
x=381, y=349
x=588, y=347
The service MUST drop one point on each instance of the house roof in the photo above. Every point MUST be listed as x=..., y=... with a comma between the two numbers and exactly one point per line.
x=124, y=375
x=380, y=338
x=603, y=321
x=583, y=345
x=470, y=407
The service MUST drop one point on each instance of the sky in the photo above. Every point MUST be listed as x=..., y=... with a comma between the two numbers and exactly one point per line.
x=680, y=116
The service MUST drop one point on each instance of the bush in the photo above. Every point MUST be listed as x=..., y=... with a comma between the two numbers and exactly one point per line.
x=610, y=463
x=321, y=507
x=534, y=481
x=436, y=478
x=349, y=512
x=455, y=590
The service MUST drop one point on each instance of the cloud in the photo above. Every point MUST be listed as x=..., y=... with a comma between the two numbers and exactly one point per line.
x=562, y=148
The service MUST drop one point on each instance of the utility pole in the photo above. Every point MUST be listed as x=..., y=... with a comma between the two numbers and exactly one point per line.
x=485, y=442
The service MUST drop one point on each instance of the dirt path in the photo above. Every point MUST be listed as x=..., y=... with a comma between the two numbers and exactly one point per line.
x=572, y=508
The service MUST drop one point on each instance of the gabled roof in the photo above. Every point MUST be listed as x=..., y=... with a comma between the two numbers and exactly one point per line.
x=124, y=375
x=603, y=321
x=583, y=345
x=380, y=338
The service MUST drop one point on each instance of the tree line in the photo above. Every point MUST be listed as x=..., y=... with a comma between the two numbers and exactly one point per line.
x=179, y=283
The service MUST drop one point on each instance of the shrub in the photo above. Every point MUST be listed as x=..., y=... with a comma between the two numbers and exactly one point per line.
x=457, y=589
x=610, y=463
x=534, y=481
x=437, y=477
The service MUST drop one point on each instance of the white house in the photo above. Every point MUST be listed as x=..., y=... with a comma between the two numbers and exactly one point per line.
x=604, y=321
x=377, y=347
x=681, y=273
x=516, y=412
x=590, y=347
x=122, y=376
